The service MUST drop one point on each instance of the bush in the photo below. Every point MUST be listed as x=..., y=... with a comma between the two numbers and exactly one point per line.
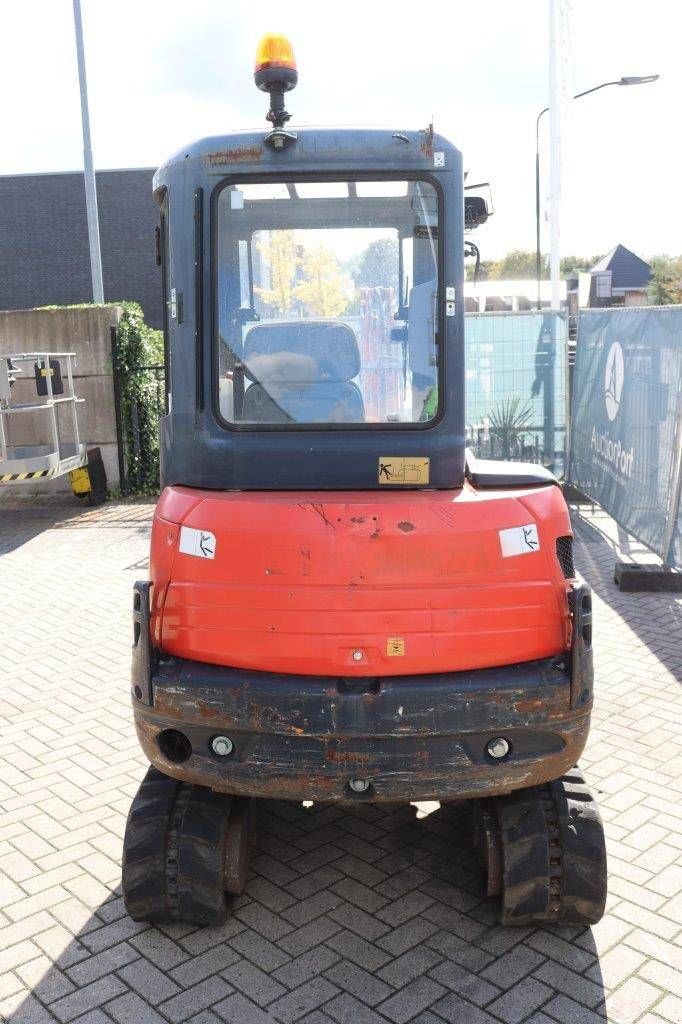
x=139, y=366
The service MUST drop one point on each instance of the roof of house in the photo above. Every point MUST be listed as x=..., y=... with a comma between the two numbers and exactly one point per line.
x=627, y=270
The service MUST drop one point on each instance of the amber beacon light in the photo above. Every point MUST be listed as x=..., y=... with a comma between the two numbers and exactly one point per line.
x=275, y=72
x=275, y=52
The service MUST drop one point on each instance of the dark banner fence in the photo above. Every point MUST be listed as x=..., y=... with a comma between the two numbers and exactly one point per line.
x=626, y=421
x=516, y=381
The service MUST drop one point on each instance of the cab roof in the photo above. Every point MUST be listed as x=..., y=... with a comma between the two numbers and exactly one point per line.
x=315, y=149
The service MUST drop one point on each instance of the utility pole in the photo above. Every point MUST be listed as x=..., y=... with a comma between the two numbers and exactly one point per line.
x=88, y=167
x=554, y=152
x=625, y=80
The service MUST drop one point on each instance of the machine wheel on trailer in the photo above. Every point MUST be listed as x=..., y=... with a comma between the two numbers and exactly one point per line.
x=344, y=604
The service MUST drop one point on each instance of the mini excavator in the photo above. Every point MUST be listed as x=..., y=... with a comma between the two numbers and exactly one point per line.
x=344, y=605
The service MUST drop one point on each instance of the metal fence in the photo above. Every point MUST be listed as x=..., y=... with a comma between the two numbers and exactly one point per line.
x=516, y=386
x=626, y=422
x=139, y=401
x=516, y=396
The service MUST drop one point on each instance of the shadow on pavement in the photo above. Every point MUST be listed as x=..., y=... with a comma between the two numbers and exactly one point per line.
x=656, y=618
x=350, y=915
x=22, y=519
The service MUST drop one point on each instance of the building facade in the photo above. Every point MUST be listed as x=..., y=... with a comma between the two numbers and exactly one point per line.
x=44, y=253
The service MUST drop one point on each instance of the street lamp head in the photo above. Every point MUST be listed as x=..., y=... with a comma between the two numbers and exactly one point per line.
x=637, y=79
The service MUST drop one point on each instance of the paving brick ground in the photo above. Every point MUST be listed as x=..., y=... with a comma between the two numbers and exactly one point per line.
x=367, y=916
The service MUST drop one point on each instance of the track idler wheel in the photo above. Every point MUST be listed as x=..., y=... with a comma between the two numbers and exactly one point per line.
x=544, y=854
x=185, y=847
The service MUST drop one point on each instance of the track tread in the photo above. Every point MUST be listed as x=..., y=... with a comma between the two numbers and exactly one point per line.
x=173, y=852
x=554, y=854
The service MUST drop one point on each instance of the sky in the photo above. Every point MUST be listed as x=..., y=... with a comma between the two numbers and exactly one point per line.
x=162, y=73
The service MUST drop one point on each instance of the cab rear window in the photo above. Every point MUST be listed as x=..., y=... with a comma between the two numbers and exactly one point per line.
x=327, y=302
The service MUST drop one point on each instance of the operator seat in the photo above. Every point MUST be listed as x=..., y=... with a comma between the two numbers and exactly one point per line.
x=302, y=371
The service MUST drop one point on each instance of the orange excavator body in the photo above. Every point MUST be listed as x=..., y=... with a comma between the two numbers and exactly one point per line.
x=359, y=584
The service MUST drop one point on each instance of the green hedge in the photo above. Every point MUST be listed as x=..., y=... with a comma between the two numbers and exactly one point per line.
x=139, y=348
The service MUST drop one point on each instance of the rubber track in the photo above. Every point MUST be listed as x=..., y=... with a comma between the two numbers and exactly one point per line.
x=173, y=852
x=554, y=854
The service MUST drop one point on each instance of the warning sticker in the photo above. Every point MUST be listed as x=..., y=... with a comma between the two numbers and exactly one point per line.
x=403, y=469
x=200, y=543
x=519, y=540
x=395, y=646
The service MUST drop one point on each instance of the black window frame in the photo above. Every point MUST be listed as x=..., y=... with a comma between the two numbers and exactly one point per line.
x=161, y=197
x=305, y=177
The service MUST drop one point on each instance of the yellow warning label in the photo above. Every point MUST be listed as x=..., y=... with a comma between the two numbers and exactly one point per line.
x=80, y=481
x=395, y=646
x=403, y=469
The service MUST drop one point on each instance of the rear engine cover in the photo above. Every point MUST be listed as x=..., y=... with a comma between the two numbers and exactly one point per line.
x=361, y=584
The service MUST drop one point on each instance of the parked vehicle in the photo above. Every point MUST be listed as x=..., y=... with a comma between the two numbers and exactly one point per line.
x=343, y=605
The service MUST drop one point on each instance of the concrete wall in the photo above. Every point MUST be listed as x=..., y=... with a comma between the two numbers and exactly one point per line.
x=87, y=333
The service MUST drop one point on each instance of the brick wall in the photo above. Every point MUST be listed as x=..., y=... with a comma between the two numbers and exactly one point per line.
x=44, y=255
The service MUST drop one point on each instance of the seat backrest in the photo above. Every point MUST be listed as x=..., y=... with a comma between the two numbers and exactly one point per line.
x=421, y=325
x=302, y=371
x=333, y=402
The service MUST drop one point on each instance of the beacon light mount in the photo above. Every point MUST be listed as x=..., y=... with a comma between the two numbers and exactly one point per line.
x=275, y=73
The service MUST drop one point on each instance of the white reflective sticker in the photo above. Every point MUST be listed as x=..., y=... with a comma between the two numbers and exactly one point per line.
x=200, y=543
x=519, y=540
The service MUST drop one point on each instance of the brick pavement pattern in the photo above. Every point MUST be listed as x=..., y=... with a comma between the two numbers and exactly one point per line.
x=367, y=915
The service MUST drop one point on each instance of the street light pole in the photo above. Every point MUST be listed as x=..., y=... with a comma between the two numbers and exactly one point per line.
x=626, y=80
x=88, y=166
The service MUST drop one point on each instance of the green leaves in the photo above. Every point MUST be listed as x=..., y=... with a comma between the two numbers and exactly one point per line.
x=507, y=420
x=141, y=376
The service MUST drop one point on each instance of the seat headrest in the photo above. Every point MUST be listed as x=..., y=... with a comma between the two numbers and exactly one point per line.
x=301, y=352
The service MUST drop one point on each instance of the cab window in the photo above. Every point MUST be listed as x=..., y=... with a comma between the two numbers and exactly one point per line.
x=327, y=302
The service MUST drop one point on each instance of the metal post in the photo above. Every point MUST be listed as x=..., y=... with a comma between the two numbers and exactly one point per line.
x=554, y=152
x=3, y=442
x=118, y=413
x=74, y=414
x=675, y=492
x=538, y=253
x=567, y=401
x=88, y=167
x=51, y=403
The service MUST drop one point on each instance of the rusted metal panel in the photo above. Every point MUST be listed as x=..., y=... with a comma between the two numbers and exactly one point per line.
x=415, y=738
x=236, y=155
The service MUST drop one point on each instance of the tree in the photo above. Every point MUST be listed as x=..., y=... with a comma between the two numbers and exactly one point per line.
x=521, y=264
x=665, y=287
x=516, y=265
x=377, y=266
x=571, y=265
x=280, y=254
x=484, y=269
x=323, y=289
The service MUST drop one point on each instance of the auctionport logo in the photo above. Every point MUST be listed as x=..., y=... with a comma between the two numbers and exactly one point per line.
x=613, y=380
x=602, y=444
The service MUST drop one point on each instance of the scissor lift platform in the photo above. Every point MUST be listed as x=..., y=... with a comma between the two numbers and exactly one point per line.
x=55, y=457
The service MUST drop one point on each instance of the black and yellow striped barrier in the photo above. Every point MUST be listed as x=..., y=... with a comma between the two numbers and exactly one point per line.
x=88, y=481
x=7, y=478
